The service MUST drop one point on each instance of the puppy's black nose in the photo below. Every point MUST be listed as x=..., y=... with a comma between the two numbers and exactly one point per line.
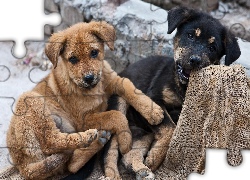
x=194, y=61
x=89, y=79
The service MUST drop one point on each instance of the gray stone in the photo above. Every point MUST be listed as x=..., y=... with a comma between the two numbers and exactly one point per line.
x=50, y=6
x=138, y=34
x=165, y=4
x=70, y=14
x=48, y=30
x=237, y=19
x=248, y=4
x=242, y=2
x=61, y=27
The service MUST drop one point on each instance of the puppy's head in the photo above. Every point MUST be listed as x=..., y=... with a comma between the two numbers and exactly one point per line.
x=200, y=41
x=81, y=48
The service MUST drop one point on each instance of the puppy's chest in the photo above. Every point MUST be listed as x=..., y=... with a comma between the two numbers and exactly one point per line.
x=95, y=103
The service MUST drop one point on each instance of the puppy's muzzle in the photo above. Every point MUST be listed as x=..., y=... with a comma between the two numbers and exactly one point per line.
x=89, y=79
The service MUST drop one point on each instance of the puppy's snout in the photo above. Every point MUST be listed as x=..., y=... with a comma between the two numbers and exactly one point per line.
x=194, y=61
x=89, y=78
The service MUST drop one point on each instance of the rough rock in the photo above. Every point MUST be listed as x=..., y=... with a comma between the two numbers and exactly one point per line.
x=70, y=14
x=235, y=18
x=50, y=6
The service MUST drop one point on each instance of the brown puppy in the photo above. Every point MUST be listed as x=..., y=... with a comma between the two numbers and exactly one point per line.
x=55, y=121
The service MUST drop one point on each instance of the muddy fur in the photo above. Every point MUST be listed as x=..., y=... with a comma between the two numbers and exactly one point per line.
x=200, y=41
x=57, y=126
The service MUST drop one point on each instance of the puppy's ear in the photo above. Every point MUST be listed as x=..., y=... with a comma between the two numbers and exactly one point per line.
x=232, y=48
x=177, y=16
x=104, y=31
x=54, y=47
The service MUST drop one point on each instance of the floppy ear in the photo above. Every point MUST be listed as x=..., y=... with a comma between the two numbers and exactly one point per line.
x=54, y=47
x=232, y=48
x=104, y=31
x=177, y=16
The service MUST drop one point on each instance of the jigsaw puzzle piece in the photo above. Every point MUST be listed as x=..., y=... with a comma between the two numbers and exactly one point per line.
x=22, y=23
x=5, y=73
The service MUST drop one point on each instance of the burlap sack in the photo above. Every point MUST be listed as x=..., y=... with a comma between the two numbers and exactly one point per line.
x=215, y=114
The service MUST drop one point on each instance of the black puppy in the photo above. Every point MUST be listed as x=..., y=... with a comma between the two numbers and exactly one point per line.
x=199, y=42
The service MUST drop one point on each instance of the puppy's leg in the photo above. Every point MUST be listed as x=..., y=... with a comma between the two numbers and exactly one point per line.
x=113, y=121
x=81, y=156
x=142, y=103
x=111, y=159
x=134, y=159
x=45, y=168
x=111, y=152
x=50, y=138
x=57, y=141
x=163, y=134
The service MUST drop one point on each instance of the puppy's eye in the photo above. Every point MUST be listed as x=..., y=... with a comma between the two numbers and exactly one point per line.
x=212, y=48
x=190, y=36
x=94, y=53
x=73, y=60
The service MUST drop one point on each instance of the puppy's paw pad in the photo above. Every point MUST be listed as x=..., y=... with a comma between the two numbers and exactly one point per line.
x=103, y=140
x=145, y=175
x=104, y=136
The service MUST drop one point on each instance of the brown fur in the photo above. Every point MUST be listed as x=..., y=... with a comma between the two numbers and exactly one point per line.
x=55, y=121
x=211, y=40
x=111, y=170
x=170, y=97
x=197, y=32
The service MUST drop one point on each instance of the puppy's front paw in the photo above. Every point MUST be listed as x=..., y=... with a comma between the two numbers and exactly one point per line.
x=157, y=114
x=88, y=137
x=153, y=114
